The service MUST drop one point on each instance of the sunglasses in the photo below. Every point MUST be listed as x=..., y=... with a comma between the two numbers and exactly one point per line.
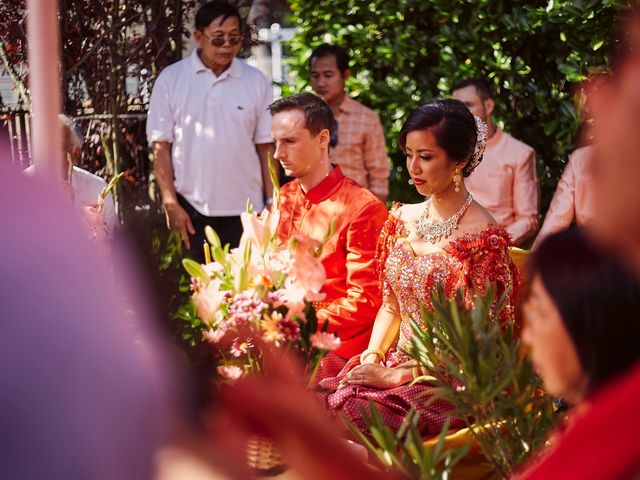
x=220, y=40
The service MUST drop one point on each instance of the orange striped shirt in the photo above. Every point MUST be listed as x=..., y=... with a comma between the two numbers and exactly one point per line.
x=361, y=151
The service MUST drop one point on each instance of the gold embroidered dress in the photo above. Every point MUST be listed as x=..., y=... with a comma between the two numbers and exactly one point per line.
x=469, y=264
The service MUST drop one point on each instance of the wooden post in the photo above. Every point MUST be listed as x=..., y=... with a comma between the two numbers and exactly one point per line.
x=43, y=47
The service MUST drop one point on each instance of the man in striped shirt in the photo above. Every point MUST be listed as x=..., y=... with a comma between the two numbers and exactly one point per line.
x=358, y=143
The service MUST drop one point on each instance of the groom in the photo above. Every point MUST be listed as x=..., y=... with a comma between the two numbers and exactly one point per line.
x=319, y=195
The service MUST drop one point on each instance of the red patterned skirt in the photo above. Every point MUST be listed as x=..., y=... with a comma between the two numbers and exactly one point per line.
x=393, y=404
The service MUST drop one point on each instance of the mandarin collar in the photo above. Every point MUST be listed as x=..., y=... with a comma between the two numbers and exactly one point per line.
x=326, y=187
x=495, y=139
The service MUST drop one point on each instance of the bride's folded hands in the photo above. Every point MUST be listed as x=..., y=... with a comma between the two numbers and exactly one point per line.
x=378, y=376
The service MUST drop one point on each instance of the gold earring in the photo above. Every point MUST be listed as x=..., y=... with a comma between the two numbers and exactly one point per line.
x=457, y=180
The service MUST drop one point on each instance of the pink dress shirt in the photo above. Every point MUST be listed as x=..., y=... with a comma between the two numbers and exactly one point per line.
x=573, y=198
x=506, y=184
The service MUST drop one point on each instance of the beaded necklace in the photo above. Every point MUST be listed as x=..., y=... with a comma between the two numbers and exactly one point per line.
x=433, y=232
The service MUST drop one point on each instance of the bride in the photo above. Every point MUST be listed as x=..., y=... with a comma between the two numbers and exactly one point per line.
x=448, y=240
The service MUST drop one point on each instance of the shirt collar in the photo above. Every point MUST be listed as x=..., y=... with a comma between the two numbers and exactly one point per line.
x=495, y=139
x=326, y=187
x=348, y=104
x=234, y=70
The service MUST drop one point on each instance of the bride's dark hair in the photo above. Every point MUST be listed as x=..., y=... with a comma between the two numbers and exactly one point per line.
x=453, y=125
x=598, y=301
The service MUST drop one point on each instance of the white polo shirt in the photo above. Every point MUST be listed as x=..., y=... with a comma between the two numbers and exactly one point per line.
x=214, y=123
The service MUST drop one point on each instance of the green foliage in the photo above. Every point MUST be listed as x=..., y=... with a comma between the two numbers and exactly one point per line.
x=404, y=451
x=480, y=370
x=405, y=52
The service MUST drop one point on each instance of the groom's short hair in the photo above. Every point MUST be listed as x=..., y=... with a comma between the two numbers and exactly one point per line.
x=317, y=113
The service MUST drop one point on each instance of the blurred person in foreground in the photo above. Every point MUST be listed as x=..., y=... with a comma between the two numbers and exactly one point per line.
x=594, y=447
x=582, y=329
x=84, y=383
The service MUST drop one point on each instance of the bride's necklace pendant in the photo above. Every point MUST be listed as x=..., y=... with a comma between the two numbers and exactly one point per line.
x=433, y=232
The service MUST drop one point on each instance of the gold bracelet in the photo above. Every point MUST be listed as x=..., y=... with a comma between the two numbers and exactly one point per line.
x=375, y=351
x=416, y=371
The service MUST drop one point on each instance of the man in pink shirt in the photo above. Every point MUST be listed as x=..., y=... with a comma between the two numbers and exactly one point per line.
x=573, y=199
x=505, y=182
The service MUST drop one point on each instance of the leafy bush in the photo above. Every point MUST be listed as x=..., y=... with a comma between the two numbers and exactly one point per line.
x=476, y=365
x=405, y=52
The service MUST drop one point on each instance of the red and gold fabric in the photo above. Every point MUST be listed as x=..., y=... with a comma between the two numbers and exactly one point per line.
x=349, y=255
x=469, y=263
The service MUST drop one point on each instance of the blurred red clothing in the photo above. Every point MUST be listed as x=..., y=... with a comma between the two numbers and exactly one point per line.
x=601, y=442
x=352, y=289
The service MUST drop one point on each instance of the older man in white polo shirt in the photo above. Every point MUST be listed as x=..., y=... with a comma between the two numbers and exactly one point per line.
x=210, y=131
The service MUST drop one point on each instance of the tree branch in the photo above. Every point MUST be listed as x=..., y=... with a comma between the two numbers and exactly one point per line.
x=105, y=36
x=22, y=89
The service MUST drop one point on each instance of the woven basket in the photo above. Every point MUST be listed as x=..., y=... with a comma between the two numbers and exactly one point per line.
x=263, y=458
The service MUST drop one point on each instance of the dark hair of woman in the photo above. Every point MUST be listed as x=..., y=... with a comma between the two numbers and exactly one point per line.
x=452, y=124
x=598, y=300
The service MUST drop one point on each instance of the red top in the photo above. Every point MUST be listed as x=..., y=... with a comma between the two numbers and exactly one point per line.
x=601, y=442
x=352, y=293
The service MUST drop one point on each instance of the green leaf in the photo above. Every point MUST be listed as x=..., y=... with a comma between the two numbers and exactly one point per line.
x=212, y=237
x=195, y=269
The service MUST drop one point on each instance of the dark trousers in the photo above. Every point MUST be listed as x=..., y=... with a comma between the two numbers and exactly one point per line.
x=229, y=229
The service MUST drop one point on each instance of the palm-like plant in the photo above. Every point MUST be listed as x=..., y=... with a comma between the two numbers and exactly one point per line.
x=481, y=371
x=476, y=364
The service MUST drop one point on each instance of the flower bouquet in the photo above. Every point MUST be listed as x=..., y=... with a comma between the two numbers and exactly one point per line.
x=259, y=296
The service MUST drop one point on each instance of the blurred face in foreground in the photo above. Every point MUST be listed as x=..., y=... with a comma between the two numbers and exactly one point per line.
x=300, y=152
x=615, y=103
x=551, y=348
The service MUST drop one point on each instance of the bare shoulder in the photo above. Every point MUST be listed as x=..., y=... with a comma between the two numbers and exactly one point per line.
x=410, y=211
x=476, y=219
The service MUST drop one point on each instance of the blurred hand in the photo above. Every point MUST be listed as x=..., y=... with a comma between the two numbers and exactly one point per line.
x=178, y=220
x=278, y=405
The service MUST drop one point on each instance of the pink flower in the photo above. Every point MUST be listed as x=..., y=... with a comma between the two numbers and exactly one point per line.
x=244, y=308
x=260, y=229
x=208, y=299
x=239, y=348
x=98, y=229
x=275, y=299
x=212, y=268
x=308, y=272
x=214, y=336
x=293, y=297
x=271, y=331
x=289, y=328
x=230, y=372
x=196, y=284
x=325, y=341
